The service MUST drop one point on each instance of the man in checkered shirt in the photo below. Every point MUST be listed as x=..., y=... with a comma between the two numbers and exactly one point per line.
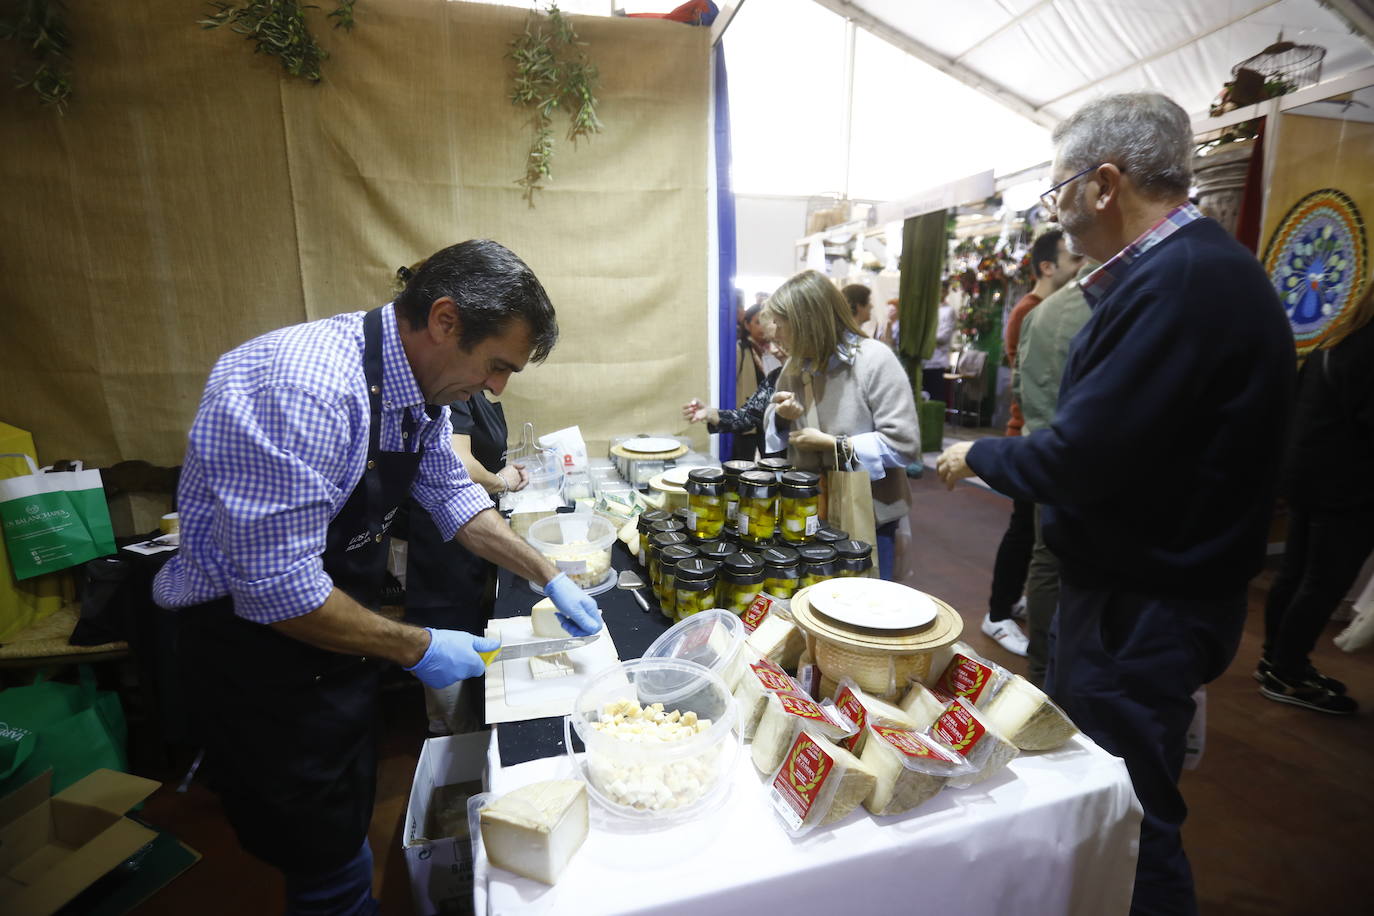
x=306, y=441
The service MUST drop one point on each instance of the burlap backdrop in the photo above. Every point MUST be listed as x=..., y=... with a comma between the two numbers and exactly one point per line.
x=192, y=197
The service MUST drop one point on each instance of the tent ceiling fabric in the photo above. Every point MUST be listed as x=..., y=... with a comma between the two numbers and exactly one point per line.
x=1057, y=54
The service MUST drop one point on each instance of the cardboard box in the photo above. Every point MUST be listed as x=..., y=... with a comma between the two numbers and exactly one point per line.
x=440, y=865
x=53, y=847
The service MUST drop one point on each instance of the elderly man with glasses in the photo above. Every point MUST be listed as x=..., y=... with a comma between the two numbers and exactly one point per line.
x=1158, y=472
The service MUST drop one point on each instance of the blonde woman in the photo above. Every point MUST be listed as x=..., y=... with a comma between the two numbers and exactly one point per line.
x=843, y=396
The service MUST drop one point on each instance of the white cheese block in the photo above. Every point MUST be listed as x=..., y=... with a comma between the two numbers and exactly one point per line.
x=863, y=709
x=535, y=830
x=544, y=621
x=857, y=780
x=759, y=678
x=965, y=730
x=784, y=714
x=1031, y=720
x=817, y=783
x=939, y=660
x=908, y=769
x=922, y=706
x=779, y=639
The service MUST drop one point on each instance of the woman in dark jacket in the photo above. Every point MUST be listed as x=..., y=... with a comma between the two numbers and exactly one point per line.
x=1329, y=485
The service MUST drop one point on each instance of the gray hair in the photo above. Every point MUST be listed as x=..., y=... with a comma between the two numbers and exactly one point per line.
x=1145, y=134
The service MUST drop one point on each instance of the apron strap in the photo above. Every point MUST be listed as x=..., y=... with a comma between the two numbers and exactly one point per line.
x=372, y=372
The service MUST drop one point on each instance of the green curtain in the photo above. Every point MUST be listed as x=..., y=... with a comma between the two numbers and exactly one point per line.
x=924, y=248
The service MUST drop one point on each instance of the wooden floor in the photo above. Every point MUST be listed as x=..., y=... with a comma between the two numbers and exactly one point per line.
x=1280, y=815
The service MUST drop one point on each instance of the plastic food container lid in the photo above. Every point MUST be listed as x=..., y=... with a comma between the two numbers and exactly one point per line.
x=713, y=639
x=552, y=535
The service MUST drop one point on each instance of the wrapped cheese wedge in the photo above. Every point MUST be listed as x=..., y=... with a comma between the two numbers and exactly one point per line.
x=921, y=705
x=909, y=768
x=939, y=660
x=862, y=709
x=779, y=639
x=972, y=677
x=817, y=783
x=1029, y=718
x=535, y=830
x=964, y=730
x=760, y=678
x=784, y=715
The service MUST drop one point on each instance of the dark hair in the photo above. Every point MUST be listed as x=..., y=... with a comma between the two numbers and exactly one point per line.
x=857, y=295
x=1045, y=248
x=490, y=285
x=752, y=312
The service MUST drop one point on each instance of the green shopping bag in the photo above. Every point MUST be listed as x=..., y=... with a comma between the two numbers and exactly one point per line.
x=44, y=530
x=87, y=492
x=73, y=729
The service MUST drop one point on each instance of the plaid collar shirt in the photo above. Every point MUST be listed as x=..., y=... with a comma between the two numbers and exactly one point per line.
x=277, y=446
x=1096, y=285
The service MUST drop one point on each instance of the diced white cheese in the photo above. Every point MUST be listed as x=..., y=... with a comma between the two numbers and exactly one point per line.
x=922, y=706
x=779, y=639
x=544, y=622
x=783, y=716
x=1031, y=720
x=908, y=768
x=535, y=830
x=543, y=667
x=652, y=785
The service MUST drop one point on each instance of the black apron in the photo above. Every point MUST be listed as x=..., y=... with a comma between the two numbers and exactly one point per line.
x=290, y=730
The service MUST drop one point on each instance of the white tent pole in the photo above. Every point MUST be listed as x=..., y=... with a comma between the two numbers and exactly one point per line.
x=849, y=34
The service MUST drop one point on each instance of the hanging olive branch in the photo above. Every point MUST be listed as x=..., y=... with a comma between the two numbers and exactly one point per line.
x=41, y=26
x=552, y=71
x=278, y=27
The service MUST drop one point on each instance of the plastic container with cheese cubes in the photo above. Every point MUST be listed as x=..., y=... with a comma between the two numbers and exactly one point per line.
x=713, y=638
x=660, y=740
x=579, y=544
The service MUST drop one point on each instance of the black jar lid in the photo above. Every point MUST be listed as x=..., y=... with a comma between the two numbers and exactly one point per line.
x=716, y=549
x=774, y=465
x=675, y=553
x=737, y=467
x=649, y=516
x=780, y=556
x=710, y=476
x=743, y=564
x=695, y=569
x=670, y=523
x=817, y=553
x=801, y=483
x=852, y=549
x=665, y=539
x=827, y=535
x=758, y=480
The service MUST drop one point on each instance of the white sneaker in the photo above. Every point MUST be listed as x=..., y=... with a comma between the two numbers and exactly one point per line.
x=1007, y=634
x=1018, y=610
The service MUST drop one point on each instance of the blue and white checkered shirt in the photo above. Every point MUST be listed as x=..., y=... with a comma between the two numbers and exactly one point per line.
x=276, y=448
x=1095, y=285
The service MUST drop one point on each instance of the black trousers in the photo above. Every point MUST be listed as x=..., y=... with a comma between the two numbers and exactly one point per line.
x=1013, y=560
x=1326, y=549
x=1125, y=668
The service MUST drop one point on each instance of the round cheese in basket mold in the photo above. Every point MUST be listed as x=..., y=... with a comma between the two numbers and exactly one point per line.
x=648, y=445
x=872, y=603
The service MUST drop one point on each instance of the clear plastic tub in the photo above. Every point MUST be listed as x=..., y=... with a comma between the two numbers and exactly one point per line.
x=713, y=638
x=638, y=775
x=578, y=543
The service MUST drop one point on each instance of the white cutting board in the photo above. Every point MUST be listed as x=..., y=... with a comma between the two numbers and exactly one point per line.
x=513, y=694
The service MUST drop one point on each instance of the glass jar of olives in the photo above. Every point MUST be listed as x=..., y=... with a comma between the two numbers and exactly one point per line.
x=799, y=506
x=657, y=543
x=668, y=561
x=818, y=562
x=738, y=582
x=853, y=557
x=781, y=571
x=706, y=502
x=646, y=519
x=695, y=587
x=732, y=471
x=757, y=519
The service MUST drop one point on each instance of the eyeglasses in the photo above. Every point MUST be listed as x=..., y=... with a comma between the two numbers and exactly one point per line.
x=1051, y=197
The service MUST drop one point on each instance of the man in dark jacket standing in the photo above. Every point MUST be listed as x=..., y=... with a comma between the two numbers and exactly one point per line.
x=1158, y=472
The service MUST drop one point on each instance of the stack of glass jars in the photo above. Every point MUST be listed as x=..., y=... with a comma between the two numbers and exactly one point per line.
x=668, y=561
x=644, y=526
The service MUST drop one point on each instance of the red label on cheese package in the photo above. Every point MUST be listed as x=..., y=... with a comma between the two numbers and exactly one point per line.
x=908, y=742
x=804, y=707
x=847, y=703
x=771, y=676
x=958, y=729
x=964, y=677
x=757, y=612
x=799, y=780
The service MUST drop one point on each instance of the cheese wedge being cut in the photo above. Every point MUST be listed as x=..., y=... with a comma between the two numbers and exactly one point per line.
x=779, y=639
x=1028, y=718
x=535, y=830
x=544, y=621
x=922, y=706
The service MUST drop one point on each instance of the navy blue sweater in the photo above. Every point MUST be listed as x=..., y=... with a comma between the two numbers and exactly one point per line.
x=1159, y=471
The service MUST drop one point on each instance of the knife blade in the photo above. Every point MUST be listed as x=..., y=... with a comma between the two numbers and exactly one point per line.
x=536, y=647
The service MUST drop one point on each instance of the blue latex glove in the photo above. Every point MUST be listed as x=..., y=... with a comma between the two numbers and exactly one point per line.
x=577, y=612
x=452, y=656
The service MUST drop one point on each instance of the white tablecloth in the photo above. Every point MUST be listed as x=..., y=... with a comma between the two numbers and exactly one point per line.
x=1054, y=833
